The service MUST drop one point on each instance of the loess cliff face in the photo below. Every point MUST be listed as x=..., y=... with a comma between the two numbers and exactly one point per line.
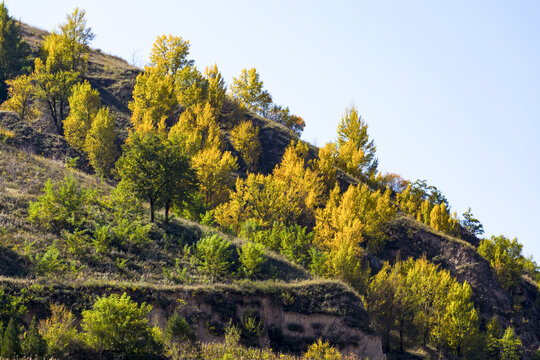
x=290, y=316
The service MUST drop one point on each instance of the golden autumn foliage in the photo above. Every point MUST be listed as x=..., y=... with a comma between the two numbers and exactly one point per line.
x=20, y=93
x=359, y=214
x=100, y=142
x=326, y=165
x=247, y=89
x=289, y=196
x=245, y=140
x=169, y=54
x=215, y=170
x=216, y=88
x=153, y=101
x=435, y=215
x=84, y=104
x=356, y=152
x=196, y=129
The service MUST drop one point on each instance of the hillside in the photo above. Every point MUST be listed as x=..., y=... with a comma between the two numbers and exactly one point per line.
x=293, y=302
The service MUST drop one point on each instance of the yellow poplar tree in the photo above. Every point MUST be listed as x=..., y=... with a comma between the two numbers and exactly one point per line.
x=20, y=93
x=216, y=88
x=357, y=151
x=214, y=170
x=196, y=129
x=326, y=165
x=153, y=101
x=100, y=143
x=84, y=104
x=245, y=140
x=169, y=54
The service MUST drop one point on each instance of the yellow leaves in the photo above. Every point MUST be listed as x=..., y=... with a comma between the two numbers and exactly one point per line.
x=245, y=140
x=196, y=129
x=248, y=90
x=20, y=93
x=153, y=101
x=216, y=88
x=358, y=214
x=169, y=54
x=350, y=158
x=326, y=164
x=356, y=151
x=100, y=142
x=289, y=196
x=84, y=104
x=215, y=173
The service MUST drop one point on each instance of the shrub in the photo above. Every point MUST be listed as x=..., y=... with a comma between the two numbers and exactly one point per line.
x=33, y=344
x=65, y=205
x=179, y=330
x=59, y=332
x=117, y=323
x=511, y=347
x=213, y=254
x=504, y=256
x=251, y=257
x=49, y=262
x=11, y=346
x=322, y=351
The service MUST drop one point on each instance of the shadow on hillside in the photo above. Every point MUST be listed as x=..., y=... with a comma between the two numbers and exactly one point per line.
x=12, y=264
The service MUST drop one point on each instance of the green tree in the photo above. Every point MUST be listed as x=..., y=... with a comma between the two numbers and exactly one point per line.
x=11, y=344
x=356, y=152
x=117, y=323
x=213, y=254
x=65, y=205
x=511, y=347
x=494, y=333
x=100, y=144
x=504, y=256
x=156, y=171
x=283, y=116
x=33, y=344
x=84, y=104
x=473, y=225
x=252, y=257
x=248, y=90
x=459, y=327
x=14, y=51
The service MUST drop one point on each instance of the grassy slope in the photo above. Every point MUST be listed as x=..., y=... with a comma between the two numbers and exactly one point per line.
x=114, y=78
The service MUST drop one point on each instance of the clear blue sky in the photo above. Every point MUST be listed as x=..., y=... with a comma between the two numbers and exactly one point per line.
x=450, y=89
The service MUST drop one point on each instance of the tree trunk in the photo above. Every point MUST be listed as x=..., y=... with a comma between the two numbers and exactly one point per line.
x=151, y=201
x=167, y=206
x=401, y=335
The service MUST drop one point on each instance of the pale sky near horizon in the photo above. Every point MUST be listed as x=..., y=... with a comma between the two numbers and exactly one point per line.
x=450, y=90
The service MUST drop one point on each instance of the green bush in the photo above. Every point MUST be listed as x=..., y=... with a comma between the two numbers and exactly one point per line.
x=48, y=263
x=118, y=324
x=179, y=330
x=213, y=254
x=251, y=256
x=34, y=345
x=11, y=345
x=64, y=206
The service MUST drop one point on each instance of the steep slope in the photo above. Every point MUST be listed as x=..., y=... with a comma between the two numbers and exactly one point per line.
x=114, y=78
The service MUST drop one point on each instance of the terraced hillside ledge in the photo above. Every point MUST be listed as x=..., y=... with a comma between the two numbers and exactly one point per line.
x=292, y=315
